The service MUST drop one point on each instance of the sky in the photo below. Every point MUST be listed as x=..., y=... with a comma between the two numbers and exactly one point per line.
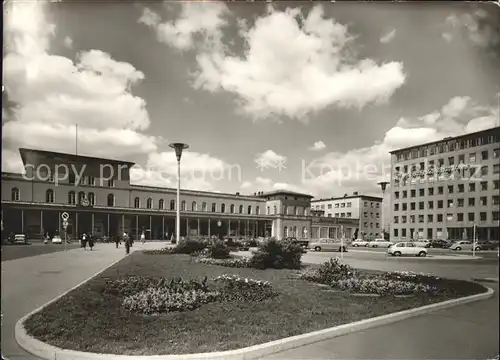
x=299, y=96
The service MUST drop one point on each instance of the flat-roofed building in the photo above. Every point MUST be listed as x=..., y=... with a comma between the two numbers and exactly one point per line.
x=441, y=189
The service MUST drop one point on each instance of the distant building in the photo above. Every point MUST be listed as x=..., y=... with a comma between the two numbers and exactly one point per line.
x=99, y=198
x=441, y=189
x=366, y=210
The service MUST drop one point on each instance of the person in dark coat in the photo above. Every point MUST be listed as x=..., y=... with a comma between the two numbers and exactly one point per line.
x=117, y=241
x=91, y=242
x=84, y=241
x=127, y=241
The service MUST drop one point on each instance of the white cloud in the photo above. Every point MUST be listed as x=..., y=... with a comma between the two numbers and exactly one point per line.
x=246, y=185
x=270, y=159
x=361, y=169
x=266, y=184
x=52, y=93
x=388, y=37
x=68, y=42
x=480, y=27
x=311, y=67
x=318, y=145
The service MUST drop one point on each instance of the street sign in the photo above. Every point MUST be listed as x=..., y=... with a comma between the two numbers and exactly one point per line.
x=65, y=216
x=219, y=223
x=65, y=224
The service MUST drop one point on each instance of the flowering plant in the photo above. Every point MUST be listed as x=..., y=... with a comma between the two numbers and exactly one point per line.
x=236, y=263
x=381, y=286
x=236, y=288
x=329, y=271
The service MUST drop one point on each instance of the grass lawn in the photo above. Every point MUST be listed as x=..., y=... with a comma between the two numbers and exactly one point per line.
x=88, y=320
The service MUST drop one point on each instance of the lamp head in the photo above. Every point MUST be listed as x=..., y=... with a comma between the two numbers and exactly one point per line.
x=383, y=185
x=178, y=147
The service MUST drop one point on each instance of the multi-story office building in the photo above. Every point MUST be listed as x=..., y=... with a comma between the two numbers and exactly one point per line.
x=444, y=188
x=98, y=196
x=366, y=209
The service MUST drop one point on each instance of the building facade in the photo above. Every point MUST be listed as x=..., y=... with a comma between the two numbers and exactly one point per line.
x=367, y=210
x=99, y=198
x=443, y=189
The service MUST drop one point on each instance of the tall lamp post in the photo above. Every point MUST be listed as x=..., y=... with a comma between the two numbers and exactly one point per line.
x=178, y=147
x=383, y=186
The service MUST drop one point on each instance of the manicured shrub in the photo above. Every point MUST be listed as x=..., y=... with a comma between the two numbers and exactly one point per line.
x=329, y=271
x=278, y=255
x=218, y=250
x=237, y=289
x=161, y=300
x=234, y=263
x=188, y=246
x=163, y=251
x=135, y=284
x=381, y=286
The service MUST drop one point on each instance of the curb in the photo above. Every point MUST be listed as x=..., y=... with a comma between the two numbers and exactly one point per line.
x=487, y=280
x=49, y=352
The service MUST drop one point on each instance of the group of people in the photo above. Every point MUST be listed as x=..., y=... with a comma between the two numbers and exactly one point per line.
x=87, y=239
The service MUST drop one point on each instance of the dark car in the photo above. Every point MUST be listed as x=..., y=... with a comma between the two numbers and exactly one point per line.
x=438, y=244
x=487, y=245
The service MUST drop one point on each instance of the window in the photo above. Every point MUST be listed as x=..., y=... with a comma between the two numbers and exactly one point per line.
x=257, y=210
x=111, y=200
x=71, y=179
x=496, y=169
x=484, y=155
x=461, y=188
x=460, y=217
x=214, y=207
x=396, y=207
x=420, y=218
x=91, y=180
x=472, y=202
x=403, y=232
x=461, y=159
x=49, y=196
x=396, y=195
x=223, y=208
x=450, y=189
x=71, y=198
x=430, y=218
x=449, y=203
x=495, y=215
x=137, y=203
x=111, y=183
x=412, y=206
x=341, y=215
x=421, y=205
x=149, y=203
x=405, y=194
x=484, y=170
x=268, y=210
x=421, y=192
x=471, y=216
x=329, y=206
x=343, y=205
x=296, y=210
x=460, y=203
x=430, y=191
x=405, y=206
x=472, y=157
x=440, y=204
x=449, y=217
x=413, y=193
x=496, y=184
x=161, y=204
x=275, y=210
x=412, y=219
x=430, y=205
x=183, y=205
x=439, y=217
x=83, y=180
x=482, y=216
x=91, y=198
x=483, y=201
x=349, y=214
x=14, y=194
x=204, y=206
x=495, y=200
x=472, y=187
x=451, y=160
x=349, y=204
x=440, y=190
x=241, y=209
x=81, y=197
x=440, y=162
x=231, y=209
x=285, y=210
x=336, y=205
x=484, y=186
x=172, y=204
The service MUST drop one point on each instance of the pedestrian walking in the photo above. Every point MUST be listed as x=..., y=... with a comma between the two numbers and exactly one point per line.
x=117, y=240
x=127, y=243
x=143, y=238
x=91, y=242
x=84, y=241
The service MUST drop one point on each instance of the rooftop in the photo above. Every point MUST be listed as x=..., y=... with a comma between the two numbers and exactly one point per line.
x=70, y=157
x=363, y=197
x=282, y=192
x=482, y=132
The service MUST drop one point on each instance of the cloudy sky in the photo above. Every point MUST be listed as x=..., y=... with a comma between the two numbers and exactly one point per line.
x=298, y=96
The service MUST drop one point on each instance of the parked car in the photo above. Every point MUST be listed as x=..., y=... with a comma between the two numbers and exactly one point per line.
x=487, y=245
x=360, y=242
x=304, y=243
x=407, y=248
x=379, y=243
x=421, y=243
x=438, y=244
x=18, y=239
x=56, y=239
x=464, y=245
x=328, y=245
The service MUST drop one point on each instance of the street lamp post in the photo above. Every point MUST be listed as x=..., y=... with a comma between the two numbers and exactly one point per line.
x=383, y=186
x=178, y=147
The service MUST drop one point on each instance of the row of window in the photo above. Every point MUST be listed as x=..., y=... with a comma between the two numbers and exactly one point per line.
x=84, y=180
x=450, y=189
x=483, y=216
x=365, y=225
x=292, y=232
x=450, y=203
x=461, y=159
x=347, y=204
x=343, y=215
x=90, y=197
x=449, y=146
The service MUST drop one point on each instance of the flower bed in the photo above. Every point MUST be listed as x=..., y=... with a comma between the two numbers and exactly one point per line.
x=381, y=286
x=235, y=263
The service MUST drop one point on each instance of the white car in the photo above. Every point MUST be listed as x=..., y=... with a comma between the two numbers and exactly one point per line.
x=380, y=243
x=464, y=245
x=422, y=243
x=328, y=245
x=359, y=242
x=407, y=248
x=56, y=239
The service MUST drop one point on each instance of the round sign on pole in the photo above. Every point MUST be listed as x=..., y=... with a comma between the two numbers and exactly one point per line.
x=65, y=216
x=85, y=202
x=219, y=223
